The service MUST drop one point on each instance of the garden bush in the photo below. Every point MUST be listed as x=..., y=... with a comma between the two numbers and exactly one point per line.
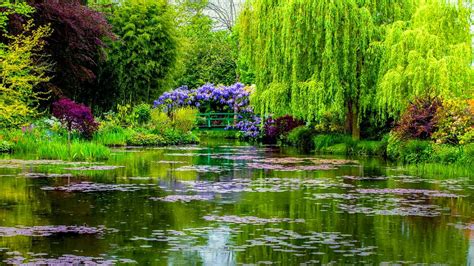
x=175, y=137
x=323, y=141
x=142, y=113
x=75, y=117
x=159, y=121
x=302, y=137
x=415, y=151
x=184, y=119
x=278, y=129
x=111, y=134
x=454, y=122
x=144, y=139
x=5, y=146
x=419, y=120
x=467, y=157
x=369, y=147
x=446, y=153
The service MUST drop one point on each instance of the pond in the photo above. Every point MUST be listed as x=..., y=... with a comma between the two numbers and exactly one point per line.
x=229, y=203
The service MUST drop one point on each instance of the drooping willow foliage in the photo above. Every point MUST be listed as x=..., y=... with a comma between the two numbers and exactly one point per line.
x=429, y=56
x=311, y=58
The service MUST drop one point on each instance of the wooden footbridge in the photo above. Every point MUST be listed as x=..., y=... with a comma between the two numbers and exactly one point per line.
x=217, y=120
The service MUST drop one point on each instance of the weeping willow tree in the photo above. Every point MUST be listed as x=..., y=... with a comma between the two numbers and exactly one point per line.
x=310, y=58
x=430, y=55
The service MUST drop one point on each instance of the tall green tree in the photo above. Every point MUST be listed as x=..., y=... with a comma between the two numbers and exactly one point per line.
x=309, y=58
x=206, y=55
x=428, y=56
x=144, y=54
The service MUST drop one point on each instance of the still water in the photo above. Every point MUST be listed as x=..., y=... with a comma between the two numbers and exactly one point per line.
x=224, y=203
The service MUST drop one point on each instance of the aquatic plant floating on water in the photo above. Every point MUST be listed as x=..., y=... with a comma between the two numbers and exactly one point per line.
x=38, y=259
x=95, y=168
x=277, y=240
x=249, y=219
x=183, y=198
x=97, y=187
x=261, y=185
x=365, y=178
x=17, y=163
x=201, y=168
x=49, y=230
x=281, y=167
x=170, y=162
x=406, y=191
x=45, y=175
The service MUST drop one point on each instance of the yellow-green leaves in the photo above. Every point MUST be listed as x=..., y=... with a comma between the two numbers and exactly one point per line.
x=19, y=74
x=311, y=57
x=430, y=55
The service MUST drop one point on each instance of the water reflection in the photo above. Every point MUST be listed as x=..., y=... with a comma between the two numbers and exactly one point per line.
x=266, y=205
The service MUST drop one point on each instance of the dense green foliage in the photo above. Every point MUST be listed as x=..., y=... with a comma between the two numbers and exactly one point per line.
x=430, y=55
x=21, y=67
x=143, y=126
x=312, y=58
x=206, y=55
x=141, y=59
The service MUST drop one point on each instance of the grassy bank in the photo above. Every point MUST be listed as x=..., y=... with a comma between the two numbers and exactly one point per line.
x=406, y=152
x=52, y=143
x=48, y=145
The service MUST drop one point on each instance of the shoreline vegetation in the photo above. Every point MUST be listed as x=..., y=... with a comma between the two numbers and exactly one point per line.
x=72, y=87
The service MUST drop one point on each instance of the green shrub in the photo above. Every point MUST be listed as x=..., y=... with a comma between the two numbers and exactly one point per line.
x=454, y=121
x=446, y=153
x=124, y=115
x=189, y=138
x=323, y=141
x=369, y=147
x=468, y=137
x=467, y=154
x=111, y=134
x=142, y=113
x=184, y=119
x=416, y=151
x=144, y=139
x=174, y=137
x=394, y=146
x=20, y=69
x=301, y=136
x=159, y=121
x=5, y=146
x=340, y=149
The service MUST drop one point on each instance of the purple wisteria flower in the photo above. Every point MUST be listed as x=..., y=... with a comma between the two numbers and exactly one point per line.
x=207, y=97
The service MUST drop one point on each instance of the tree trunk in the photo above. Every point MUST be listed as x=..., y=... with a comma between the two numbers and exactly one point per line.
x=352, y=121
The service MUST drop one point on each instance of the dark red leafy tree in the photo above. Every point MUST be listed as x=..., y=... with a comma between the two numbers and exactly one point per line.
x=279, y=127
x=418, y=121
x=75, y=116
x=75, y=45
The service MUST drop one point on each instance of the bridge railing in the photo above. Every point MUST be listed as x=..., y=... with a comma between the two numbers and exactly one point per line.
x=216, y=120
